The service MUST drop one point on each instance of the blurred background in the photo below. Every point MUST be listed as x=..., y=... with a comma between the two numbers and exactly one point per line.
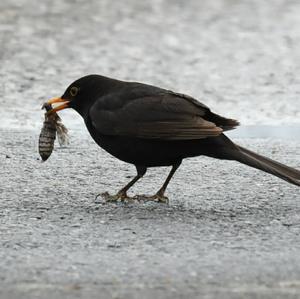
x=229, y=231
x=241, y=58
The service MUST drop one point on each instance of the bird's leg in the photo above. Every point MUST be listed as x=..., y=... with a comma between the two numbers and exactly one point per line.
x=160, y=195
x=122, y=194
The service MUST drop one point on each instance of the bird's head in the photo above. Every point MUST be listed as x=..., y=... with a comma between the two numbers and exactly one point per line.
x=81, y=94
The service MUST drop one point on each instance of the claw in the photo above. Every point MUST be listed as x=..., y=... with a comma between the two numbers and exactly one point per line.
x=157, y=198
x=120, y=196
x=160, y=198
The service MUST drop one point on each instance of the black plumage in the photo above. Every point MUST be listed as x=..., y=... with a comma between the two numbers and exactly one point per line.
x=150, y=126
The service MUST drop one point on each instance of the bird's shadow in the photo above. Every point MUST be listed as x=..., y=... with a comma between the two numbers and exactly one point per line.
x=143, y=209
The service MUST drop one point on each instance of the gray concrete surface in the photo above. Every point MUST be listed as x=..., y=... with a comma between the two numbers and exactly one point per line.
x=240, y=57
x=229, y=231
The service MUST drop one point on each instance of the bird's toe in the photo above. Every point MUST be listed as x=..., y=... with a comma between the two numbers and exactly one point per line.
x=157, y=198
x=161, y=198
x=120, y=196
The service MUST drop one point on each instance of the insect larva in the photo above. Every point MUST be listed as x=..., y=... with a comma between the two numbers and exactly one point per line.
x=62, y=132
x=52, y=125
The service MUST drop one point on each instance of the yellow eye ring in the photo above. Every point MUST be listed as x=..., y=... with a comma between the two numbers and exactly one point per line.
x=73, y=91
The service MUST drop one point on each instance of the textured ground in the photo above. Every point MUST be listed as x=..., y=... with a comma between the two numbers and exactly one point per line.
x=241, y=58
x=229, y=231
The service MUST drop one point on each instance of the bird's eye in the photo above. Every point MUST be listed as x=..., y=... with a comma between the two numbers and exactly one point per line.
x=74, y=90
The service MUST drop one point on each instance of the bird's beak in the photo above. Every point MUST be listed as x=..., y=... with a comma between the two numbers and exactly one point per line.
x=64, y=105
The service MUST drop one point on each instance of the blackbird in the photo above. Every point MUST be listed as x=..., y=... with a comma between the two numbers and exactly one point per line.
x=150, y=126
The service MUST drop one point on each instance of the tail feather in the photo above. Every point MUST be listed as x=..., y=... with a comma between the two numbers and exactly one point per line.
x=268, y=165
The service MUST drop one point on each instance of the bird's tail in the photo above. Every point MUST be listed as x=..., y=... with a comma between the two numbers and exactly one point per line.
x=282, y=171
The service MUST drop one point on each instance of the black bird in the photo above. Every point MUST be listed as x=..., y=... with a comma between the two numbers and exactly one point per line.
x=149, y=126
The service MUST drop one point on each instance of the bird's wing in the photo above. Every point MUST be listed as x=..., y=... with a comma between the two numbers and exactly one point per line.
x=165, y=116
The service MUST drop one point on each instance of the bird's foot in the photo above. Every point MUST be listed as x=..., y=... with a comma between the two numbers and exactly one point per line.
x=120, y=196
x=158, y=197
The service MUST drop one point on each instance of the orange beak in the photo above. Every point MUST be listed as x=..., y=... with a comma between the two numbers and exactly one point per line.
x=64, y=105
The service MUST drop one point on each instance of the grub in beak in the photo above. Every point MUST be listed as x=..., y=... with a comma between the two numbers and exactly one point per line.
x=64, y=104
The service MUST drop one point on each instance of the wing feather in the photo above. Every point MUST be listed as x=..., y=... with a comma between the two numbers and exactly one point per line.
x=166, y=116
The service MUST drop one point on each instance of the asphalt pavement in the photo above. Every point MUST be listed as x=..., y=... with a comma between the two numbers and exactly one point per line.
x=229, y=231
